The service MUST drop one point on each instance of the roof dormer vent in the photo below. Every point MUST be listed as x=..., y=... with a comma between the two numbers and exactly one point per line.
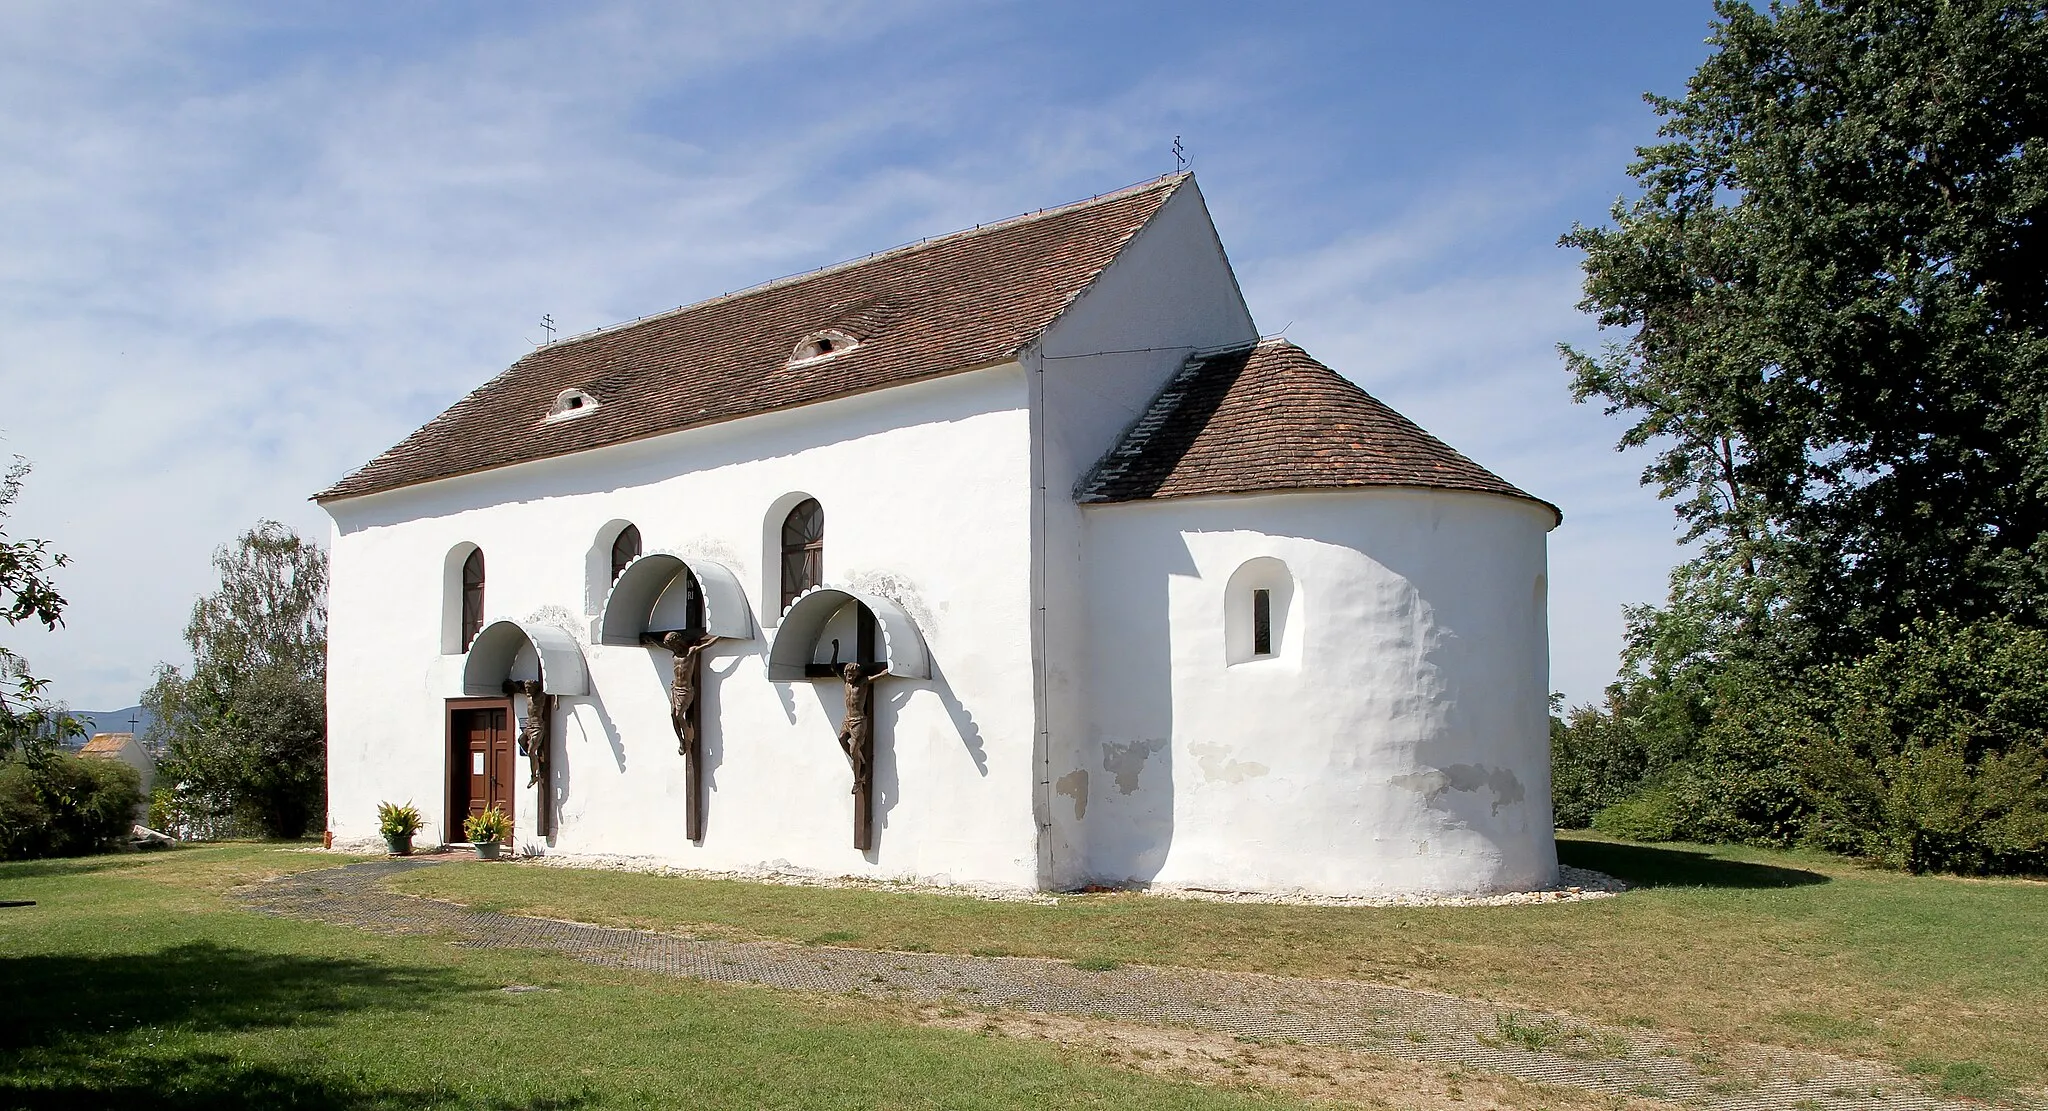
x=829, y=343
x=571, y=403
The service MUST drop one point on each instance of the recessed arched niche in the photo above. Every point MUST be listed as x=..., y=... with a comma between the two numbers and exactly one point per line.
x=860, y=623
x=665, y=592
x=1258, y=618
x=503, y=646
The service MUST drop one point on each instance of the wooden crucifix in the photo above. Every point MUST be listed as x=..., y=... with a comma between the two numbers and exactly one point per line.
x=534, y=745
x=687, y=646
x=857, y=740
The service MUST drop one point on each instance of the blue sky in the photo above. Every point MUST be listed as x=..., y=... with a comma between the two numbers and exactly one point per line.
x=244, y=248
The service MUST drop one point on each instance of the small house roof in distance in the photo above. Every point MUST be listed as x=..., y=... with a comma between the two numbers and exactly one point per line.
x=104, y=743
x=959, y=302
x=1271, y=418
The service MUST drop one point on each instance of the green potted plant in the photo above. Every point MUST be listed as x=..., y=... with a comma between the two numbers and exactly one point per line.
x=488, y=831
x=398, y=824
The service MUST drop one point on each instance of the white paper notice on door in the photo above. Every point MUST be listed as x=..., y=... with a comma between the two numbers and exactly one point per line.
x=476, y=763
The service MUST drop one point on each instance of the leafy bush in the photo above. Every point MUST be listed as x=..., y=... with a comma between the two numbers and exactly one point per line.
x=1931, y=753
x=1596, y=761
x=1740, y=783
x=64, y=805
x=1648, y=815
x=1696, y=753
x=187, y=811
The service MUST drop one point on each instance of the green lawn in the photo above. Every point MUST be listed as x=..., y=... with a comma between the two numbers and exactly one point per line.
x=1940, y=976
x=133, y=984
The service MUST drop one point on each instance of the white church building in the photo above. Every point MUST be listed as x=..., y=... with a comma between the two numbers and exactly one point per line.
x=1134, y=597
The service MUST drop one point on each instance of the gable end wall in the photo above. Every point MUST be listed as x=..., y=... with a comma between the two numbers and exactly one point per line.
x=1169, y=293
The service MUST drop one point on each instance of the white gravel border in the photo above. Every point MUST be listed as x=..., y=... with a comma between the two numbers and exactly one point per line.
x=1574, y=885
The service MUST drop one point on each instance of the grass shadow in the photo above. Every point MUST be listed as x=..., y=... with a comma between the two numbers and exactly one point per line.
x=213, y=1080
x=207, y=1081
x=197, y=986
x=127, y=858
x=69, y=1038
x=75, y=1001
x=70, y=866
x=1662, y=866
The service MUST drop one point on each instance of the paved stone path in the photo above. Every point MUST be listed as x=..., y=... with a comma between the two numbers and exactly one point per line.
x=1416, y=1025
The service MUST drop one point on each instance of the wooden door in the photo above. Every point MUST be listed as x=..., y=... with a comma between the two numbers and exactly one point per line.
x=482, y=772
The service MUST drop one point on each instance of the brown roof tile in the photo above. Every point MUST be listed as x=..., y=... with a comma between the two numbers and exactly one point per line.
x=1270, y=417
x=956, y=303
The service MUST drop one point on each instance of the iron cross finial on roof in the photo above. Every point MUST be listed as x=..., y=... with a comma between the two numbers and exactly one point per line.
x=1180, y=155
x=547, y=324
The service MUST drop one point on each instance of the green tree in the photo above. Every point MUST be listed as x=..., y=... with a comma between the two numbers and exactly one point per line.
x=29, y=724
x=1835, y=284
x=244, y=734
x=65, y=805
x=1833, y=295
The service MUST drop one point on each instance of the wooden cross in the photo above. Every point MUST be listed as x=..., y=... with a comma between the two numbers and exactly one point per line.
x=857, y=740
x=535, y=744
x=687, y=646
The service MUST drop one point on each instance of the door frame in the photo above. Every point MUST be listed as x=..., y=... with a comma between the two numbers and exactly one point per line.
x=454, y=834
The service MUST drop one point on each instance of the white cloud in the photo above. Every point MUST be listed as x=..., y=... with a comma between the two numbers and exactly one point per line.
x=243, y=250
x=222, y=293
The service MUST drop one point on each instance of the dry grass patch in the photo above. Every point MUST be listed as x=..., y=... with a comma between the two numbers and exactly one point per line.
x=141, y=987
x=1321, y=1075
x=211, y=867
x=1731, y=945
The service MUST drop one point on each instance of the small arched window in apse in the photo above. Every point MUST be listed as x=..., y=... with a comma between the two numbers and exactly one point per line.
x=472, y=597
x=625, y=549
x=803, y=549
x=1262, y=621
x=1256, y=611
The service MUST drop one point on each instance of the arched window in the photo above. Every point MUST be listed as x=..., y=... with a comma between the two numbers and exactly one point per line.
x=472, y=597
x=803, y=549
x=625, y=549
x=1256, y=607
x=1262, y=621
x=693, y=603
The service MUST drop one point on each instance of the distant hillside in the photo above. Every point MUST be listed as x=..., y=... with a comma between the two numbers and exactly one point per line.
x=114, y=721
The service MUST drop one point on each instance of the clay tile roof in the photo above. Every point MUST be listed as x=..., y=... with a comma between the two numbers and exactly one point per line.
x=106, y=742
x=955, y=303
x=1271, y=417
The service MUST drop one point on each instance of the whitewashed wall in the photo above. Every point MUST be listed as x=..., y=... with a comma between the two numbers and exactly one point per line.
x=1088, y=718
x=1169, y=293
x=927, y=497
x=1397, y=741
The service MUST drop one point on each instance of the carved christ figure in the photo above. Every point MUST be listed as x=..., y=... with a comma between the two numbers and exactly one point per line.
x=533, y=739
x=857, y=734
x=683, y=684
